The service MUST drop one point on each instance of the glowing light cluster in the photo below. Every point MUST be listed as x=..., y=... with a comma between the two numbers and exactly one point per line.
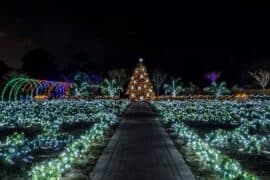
x=140, y=87
x=28, y=88
x=57, y=167
x=174, y=115
x=49, y=117
x=241, y=96
x=245, y=116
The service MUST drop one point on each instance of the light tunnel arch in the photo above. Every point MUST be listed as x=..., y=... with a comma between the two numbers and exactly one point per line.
x=23, y=87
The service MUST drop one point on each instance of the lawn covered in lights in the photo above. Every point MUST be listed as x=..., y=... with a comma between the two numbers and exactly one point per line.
x=230, y=138
x=46, y=139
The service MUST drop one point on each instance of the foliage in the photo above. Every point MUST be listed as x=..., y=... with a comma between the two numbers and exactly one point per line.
x=57, y=167
x=120, y=76
x=158, y=79
x=84, y=84
x=39, y=63
x=110, y=87
x=50, y=116
x=174, y=87
x=213, y=159
x=236, y=89
x=262, y=78
x=81, y=77
x=191, y=89
x=217, y=89
x=85, y=89
x=244, y=116
x=14, y=74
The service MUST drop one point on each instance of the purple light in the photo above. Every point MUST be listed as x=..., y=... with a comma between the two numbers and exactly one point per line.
x=212, y=76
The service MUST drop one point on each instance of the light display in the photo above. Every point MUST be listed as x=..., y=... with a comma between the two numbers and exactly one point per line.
x=176, y=113
x=49, y=117
x=212, y=76
x=57, y=167
x=217, y=89
x=174, y=87
x=27, y=88
x=110, y=88
x=140, y=87
x=246, y=117
x=41, y=97
x=241, y=96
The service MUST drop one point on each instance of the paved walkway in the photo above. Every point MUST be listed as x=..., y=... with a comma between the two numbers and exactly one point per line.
x=141, y=149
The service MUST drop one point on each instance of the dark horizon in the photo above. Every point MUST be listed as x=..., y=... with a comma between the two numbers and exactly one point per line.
x=186, y=40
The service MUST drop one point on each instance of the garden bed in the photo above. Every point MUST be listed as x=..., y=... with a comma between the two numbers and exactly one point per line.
x=256, y=163
x=28, y=132
x=76, y=129
x=65, y=129
x=230, y=137
x=203, y=127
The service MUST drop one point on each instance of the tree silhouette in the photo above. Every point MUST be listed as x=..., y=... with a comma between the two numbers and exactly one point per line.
x=262, y=78
x=158, y=79
x=39, y=63
x=4, y=69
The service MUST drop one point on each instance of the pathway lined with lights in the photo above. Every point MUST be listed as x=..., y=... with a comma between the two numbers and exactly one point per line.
x=141, y=149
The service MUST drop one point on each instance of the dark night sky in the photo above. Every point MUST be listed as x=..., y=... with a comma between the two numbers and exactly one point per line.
x=183, y=39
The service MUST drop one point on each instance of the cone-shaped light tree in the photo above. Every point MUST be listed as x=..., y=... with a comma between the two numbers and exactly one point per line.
x=139, y=87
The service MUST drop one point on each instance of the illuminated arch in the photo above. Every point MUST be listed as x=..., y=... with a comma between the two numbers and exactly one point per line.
x=28, y=82
x=12, y=84
x=9, y=84
x=32, y=88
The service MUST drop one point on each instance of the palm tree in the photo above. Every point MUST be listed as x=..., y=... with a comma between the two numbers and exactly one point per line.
x=217, y=89
x=158, y=78
x=110, y=87
x=120, y=77
x=174, y=87
x=85, y=89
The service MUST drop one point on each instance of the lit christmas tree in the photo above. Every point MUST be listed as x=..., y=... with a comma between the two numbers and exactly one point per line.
x=140, y=87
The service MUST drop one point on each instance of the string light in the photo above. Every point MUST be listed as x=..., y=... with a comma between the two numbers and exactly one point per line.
x=49, y=117
x=175, y=112
x=28, y=87
x=140, y=87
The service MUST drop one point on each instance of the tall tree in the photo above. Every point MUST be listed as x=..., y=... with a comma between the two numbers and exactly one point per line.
x=158, y=79
x=79, y=62
x=3, y=69
x=39, y=63
x=120, y=76
x=262, y=78
x=81, y=77
x=140, y=86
